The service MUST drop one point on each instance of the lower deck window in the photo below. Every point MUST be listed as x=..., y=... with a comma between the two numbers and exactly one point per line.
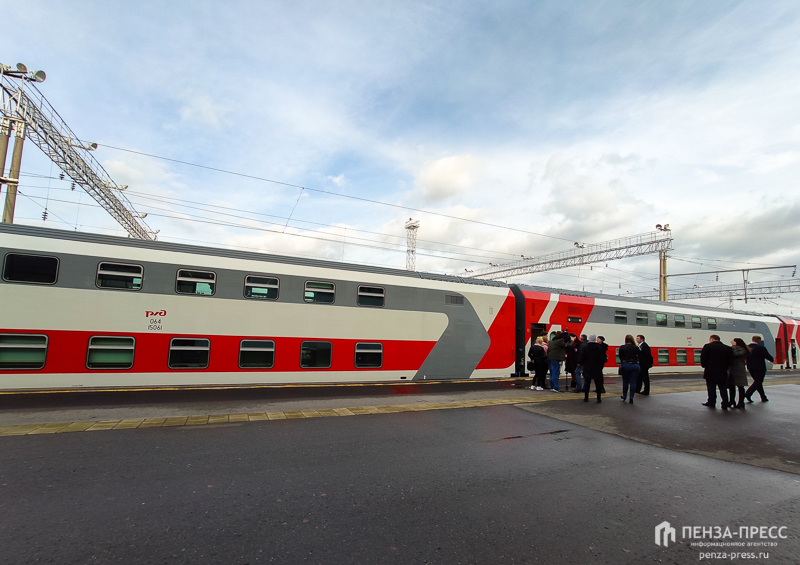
x=316, y=354
x=681, y=357
x=22, y=352
x=696, y=356
x=188, y=353
x=110, y=352
x=256, y=354
x=663, y=356
x=369, y=355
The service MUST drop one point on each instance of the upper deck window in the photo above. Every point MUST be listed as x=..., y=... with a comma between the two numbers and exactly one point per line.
x=118, y=275
x=661, y=319
x=680, y=321
x=261, y=287
x=321, y=292
x=37, y=269
x=712, y=323
x=620, y=316
x=642, y=319
x=196, y=282
x=371, y=296
x=696, y=324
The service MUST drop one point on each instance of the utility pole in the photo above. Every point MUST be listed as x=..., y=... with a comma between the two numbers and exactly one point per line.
x=411, y=244
x=662, y=276
x=13, y=174
x=5, y=131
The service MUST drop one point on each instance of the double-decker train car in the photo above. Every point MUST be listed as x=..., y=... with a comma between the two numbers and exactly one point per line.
x=88, y=311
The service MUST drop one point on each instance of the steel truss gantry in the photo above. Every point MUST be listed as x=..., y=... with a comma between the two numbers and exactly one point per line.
x=731, y=290
x=23, y=104
x=582, y=254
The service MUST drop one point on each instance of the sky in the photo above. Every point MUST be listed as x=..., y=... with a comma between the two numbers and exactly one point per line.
x=506, y=129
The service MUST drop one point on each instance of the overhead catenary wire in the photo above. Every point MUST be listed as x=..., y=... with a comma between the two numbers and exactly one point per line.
x=214, y=209
x=331, y=193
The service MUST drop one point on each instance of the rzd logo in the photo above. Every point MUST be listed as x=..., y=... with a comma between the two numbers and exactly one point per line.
x=149, y=313
x=666, y=532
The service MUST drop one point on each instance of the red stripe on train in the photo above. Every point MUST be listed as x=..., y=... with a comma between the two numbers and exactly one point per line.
x=66, y=352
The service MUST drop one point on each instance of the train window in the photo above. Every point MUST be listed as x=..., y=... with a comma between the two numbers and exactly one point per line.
x=118, y=275
x=681, y=357
x=616, y=356
x=697, y=356
x=620, y=316
x=371, y=296
x=196, y=282
x=261, y=287
x=24, y=352
x=453, y=300
x=696, y=324
x=316, y=354
x=752, y=325
x=110, y=352
x=36, y=269
x=321, y=292
x=642, y=319
x=663, y=356
x=680, y=321
x=369, y=355
x=188, y=353
x=574, y=320
x=256, y=354
x=712, y=323
x=661, y=319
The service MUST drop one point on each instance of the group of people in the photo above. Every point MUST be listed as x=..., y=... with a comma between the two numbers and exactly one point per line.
x=725, y=367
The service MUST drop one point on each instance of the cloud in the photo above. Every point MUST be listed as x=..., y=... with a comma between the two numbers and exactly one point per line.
x=201, y=109
x=447, y=177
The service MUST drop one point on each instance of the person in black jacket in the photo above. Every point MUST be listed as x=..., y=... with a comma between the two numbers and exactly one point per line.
x=715, y=358
x=757, y=366
x=592, y=358
x=538, y=357
x=645, y=364
x=629, y=366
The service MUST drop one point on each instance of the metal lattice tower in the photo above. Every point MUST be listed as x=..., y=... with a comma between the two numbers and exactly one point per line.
x=411, y=244
x=583, y=254
x=24, y=105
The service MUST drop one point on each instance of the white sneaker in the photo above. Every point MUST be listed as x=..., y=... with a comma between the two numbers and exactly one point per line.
x=539, y=388
x=554, y=390
x=532, y=387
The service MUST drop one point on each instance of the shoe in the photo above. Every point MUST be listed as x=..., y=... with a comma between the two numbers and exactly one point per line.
x=750, y=400
x=709, y=405
x=586, y=399
x=740, y=406
x=539, y=388
x=765, y=399
x=599, y=400
x=631, y=400
x=532, y=387
x=623, y=398
x=555, y=390
x=724, y=405
x=645, y=393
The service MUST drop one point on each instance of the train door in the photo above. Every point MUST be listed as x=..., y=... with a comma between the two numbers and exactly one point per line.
x=794, y=354
x=537, y=330
x=780, y=357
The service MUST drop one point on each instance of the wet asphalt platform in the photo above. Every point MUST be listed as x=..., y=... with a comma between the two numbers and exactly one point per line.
x=533, y=481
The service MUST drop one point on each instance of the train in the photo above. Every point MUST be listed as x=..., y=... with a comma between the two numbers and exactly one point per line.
x=84, y=311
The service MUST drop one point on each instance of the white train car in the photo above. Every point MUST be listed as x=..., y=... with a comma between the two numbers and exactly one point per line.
x=89, y=311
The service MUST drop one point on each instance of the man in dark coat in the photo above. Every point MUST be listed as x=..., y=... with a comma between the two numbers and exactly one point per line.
x=645, y=363
x=592, y=358
x=715, y=359
x=756, y=364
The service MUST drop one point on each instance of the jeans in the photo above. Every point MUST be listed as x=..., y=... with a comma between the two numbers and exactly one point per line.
x=579, y=377
x=630, y=372
x=555, y=371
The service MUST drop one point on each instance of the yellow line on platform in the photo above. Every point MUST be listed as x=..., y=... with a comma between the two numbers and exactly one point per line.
x=65, y=427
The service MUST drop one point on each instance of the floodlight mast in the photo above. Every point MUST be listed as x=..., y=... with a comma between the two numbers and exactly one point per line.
x=33, y=116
